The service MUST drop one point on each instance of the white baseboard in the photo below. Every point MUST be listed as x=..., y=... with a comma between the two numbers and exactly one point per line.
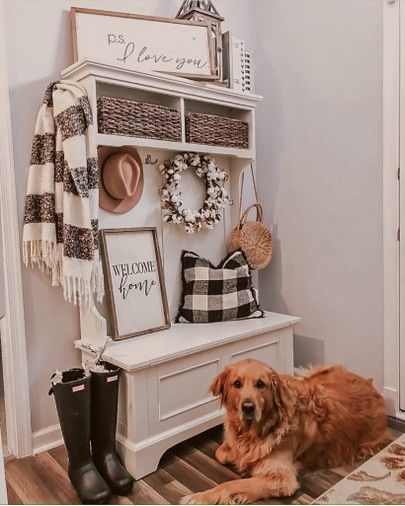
x=391, y=397
x=46, y=439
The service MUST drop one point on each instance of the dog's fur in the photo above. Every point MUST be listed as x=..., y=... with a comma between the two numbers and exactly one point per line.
x=326, y=418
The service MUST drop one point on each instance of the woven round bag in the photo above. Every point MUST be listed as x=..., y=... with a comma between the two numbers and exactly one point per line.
x=253, y=238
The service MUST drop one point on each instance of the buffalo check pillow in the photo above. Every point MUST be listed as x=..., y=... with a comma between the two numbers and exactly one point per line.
x=214, y=294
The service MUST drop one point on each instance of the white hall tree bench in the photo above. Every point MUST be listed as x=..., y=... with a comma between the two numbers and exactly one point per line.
x=164, y=395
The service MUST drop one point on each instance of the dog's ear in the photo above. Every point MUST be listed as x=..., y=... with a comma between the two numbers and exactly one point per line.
x=281, y=394
x=218, y=385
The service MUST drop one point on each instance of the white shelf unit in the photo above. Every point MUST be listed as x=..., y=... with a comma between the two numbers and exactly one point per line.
x=163, y=392
x=178, y=93
x=185, y=96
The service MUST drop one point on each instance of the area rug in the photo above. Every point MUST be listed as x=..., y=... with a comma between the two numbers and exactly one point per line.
x=380, y=480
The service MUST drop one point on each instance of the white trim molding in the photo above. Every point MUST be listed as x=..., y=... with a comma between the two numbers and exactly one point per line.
x=14, y=351
x=391, y=59
x=47, y=439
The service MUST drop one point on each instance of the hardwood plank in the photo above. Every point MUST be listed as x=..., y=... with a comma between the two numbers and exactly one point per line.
x=120, y=499
x=12, y=496
x=316, y=483
x=207, y=466
x=61, y=456
x=303, y=499
x=186, y=474
x=142, y=493
x=394, y=434
x=204, y=444
x=30, y=479
x=166, y=486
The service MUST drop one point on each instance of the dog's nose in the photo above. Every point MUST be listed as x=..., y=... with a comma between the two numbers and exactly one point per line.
x=248, y=408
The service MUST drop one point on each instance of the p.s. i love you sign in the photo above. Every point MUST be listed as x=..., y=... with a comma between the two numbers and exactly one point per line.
x=135, y=283
x=142, y=42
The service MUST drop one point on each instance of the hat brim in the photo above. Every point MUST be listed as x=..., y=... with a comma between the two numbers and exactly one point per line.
x=107, y=202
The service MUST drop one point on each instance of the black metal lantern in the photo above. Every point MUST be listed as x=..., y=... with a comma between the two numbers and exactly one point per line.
x=204, y=11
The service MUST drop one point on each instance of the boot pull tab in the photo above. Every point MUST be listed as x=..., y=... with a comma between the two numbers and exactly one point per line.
x=50, y=392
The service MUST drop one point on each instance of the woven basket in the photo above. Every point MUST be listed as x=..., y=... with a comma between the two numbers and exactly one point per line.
x=118, y=116
x=216, y=130
x=253, y=238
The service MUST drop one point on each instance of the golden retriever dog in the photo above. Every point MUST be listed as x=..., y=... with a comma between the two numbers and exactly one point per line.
x=277, y=425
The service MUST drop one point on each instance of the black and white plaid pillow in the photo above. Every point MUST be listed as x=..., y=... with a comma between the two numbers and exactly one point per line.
x=214, y=294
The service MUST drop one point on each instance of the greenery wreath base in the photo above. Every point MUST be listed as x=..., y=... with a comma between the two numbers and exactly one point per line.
x=216, y=199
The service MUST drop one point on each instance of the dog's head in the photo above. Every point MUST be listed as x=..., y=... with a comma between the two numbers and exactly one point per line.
x=252, y=390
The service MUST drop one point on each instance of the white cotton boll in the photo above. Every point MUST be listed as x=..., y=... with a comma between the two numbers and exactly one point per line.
x=177, y=177
x=190, y=218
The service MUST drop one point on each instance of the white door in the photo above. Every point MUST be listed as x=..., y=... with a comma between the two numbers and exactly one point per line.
x=402, y=203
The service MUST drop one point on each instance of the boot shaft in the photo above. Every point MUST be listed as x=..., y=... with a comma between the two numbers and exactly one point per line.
x=104, y=401
x=73, y=405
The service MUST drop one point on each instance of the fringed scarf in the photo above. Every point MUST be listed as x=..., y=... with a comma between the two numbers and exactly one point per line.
x=60, y=233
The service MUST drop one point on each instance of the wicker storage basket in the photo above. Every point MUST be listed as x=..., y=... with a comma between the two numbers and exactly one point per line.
x=119, y=116
x=253, y=238
x=216, y=130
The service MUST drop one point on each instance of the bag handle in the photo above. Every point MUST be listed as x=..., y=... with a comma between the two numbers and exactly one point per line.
x=241, y=187
x=259, y=214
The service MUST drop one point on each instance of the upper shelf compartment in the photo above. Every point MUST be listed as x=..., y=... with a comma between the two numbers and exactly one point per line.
x=184, y=108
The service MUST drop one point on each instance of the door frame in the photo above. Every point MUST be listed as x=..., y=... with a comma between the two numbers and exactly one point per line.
x=13, y=337
x=391, y=243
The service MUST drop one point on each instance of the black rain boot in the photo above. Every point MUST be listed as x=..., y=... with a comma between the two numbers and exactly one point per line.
x=72, y=398
x=104, y=400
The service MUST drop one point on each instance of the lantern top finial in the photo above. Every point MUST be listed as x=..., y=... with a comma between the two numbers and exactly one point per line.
x=201, y=6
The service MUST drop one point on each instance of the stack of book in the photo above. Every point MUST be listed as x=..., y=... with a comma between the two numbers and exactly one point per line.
x=237, y=64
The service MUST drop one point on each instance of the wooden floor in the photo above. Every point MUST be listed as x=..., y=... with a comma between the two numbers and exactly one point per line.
x=188, y=467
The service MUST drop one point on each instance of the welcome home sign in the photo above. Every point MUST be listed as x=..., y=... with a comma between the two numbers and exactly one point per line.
x=134, y=281
x=142, y=42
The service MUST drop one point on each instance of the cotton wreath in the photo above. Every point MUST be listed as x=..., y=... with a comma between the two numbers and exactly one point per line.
x=216, y=199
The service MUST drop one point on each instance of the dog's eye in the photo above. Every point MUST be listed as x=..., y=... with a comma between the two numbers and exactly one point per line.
x=260, y=385
x=237, y=384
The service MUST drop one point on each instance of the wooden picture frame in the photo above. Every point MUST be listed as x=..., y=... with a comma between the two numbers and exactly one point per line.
x=135, y=285
x=111, y=40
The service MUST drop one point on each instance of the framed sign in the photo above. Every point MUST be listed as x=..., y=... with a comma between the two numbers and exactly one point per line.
x=143, y=43
x=134, y=281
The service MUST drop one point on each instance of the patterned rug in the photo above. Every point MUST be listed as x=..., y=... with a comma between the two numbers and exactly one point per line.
x=380, y=480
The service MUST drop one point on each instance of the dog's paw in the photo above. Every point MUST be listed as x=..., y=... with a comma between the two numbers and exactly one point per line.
x=240, y=499
x=192, y=499
x=209, y=497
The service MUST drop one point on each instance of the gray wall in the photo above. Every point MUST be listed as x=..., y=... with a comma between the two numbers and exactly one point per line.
x=319, y=66
x=38, y=48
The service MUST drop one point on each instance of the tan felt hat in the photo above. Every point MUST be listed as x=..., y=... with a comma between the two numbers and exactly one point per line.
x=120, y=178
